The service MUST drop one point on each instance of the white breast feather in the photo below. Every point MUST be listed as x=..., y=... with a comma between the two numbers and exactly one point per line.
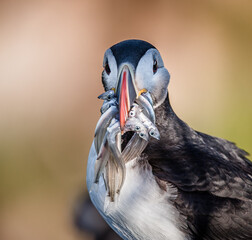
x=143, y=210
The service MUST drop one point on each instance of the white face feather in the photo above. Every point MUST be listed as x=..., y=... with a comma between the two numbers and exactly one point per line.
x=155, y=82
x=109, y=80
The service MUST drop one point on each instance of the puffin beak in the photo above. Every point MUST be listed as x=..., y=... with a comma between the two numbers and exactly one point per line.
x=126, y=93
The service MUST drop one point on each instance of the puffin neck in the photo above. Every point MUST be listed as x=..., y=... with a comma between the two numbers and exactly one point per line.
x=165, y=115
x=172, y=129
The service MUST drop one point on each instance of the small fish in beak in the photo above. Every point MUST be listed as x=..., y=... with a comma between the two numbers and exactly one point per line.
x=123, y=110
x=137, y=115
x=109, y=100
x=135, y=125
x=109, y=95
x=102, y=125
x=144, y=100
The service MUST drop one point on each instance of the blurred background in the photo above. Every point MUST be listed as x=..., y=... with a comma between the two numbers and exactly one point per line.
x=51, y=56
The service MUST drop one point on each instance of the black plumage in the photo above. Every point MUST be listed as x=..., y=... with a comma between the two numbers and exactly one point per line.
x=212, y=178
x=130, y=51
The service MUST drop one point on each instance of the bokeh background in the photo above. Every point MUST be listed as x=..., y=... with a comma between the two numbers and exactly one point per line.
x=50, y=76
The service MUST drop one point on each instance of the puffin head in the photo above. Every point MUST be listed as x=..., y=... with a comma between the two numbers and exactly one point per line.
x=132, y=67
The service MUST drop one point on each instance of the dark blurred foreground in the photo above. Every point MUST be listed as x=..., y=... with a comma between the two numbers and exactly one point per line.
x=87, y=219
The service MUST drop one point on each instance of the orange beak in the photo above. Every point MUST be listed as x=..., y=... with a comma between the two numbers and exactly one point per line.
x=126, y=94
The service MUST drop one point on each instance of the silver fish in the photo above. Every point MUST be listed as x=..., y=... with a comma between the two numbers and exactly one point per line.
x=102, y=125
x=135, y=110
x=143, y=144
x=111, y=161
x=108, y=95
x=114, y=144
x=134, y=124
x=107, y=104
x=147, y=95
x=102, y=160
x=111, y=178
x=134, y=148
x=147, y=107
x=152, y=129
x=113, y=130
x=131, y=150
x=109, y=100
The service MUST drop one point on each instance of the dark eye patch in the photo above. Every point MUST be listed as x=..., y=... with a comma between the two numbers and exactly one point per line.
x=155, y=67
x=107, y=68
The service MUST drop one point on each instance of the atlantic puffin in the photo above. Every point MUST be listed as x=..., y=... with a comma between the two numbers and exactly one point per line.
x=186, y=185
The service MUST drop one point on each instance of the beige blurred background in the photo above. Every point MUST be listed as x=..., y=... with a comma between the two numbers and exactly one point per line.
x=50, y=66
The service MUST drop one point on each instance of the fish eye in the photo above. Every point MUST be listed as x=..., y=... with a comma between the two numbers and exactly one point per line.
x=141, y=134
x=155, y=66
x=137, y=128
x=131, y=113
x=107, y=68
x=151, y=133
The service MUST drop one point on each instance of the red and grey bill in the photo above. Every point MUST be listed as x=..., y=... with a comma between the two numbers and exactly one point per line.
x=126, y=94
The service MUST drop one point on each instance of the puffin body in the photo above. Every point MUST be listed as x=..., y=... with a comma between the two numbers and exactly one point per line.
x=144, y=210
x=187, y=185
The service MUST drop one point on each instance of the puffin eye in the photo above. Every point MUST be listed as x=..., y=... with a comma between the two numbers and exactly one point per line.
x=107, y=68
x=155, y=66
